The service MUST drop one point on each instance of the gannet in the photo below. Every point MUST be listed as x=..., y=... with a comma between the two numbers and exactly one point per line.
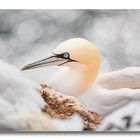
x=80, y=62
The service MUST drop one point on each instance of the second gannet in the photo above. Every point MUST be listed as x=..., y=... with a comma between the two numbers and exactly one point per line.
x=21, y=105
x=80, y=62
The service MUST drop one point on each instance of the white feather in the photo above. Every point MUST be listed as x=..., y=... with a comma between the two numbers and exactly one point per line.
x=17, y=93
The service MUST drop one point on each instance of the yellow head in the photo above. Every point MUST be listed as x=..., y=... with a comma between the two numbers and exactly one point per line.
x=76, y=50
x=79, y=50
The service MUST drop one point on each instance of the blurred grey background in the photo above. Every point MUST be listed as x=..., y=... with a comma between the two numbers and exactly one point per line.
x=28, y=35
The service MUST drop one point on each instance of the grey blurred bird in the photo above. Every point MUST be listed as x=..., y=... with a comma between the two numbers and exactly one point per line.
x=21, y=105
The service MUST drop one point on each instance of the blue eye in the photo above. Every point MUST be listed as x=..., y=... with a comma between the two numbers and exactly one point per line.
x=66, y=55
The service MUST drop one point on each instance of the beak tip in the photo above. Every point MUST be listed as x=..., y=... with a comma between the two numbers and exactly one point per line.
x=24, y=68
x=38, y=64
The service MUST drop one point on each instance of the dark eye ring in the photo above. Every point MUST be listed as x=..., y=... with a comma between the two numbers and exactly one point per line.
x=66, y=55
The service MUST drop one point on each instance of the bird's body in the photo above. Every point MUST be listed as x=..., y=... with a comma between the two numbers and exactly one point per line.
x=106, y=101
x=80, y=61
x=97, y=98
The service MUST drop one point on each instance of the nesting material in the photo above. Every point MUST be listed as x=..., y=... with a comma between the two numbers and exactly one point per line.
x=63, y=107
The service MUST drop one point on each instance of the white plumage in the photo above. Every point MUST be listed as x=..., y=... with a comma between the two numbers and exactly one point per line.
x=18, y=91
x=18, y=96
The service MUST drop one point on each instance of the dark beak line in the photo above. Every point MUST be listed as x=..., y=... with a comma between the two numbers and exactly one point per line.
x=64, y=62
x=37, y=64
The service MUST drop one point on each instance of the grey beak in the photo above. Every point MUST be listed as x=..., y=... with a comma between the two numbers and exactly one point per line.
x=51, y=60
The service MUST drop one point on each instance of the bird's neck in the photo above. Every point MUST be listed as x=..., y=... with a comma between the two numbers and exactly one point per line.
x=78, y=78
x=88, y=76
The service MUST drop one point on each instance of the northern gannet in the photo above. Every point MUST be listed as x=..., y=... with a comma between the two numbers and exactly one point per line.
x=80, y=60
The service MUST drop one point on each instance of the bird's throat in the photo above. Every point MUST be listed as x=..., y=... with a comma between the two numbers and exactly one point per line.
x=88, y=76
x=76, y=79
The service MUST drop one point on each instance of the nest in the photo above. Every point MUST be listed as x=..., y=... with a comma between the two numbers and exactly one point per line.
x=63, y=107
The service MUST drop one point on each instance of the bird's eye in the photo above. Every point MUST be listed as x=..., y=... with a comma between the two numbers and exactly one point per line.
x=66, y=55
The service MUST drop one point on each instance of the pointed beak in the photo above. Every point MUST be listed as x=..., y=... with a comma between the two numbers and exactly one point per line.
x=51, y=60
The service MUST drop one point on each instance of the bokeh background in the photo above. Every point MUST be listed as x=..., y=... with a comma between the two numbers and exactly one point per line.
x=28, y=35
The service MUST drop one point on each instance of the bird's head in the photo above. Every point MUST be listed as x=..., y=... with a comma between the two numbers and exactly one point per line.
x=76, y=51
